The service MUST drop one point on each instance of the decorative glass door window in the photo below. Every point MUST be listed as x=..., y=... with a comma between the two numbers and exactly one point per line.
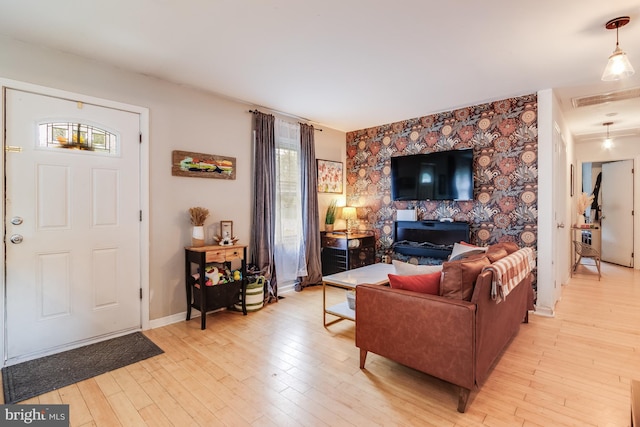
x=77, y=136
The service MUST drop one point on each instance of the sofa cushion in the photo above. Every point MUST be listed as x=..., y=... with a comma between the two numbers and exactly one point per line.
x=424, y=283
x=497, y=254
x=510, y=247
x=408, y=269
x=459, y=277
x=468, y=254
x=463, y=250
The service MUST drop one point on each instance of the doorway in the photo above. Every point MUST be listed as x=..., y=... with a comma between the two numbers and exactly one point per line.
x=612, y=184
x=72, y=208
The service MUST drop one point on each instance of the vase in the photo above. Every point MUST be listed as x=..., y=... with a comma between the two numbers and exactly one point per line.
x=197, y=236
x=328, y=227
x=580, y=220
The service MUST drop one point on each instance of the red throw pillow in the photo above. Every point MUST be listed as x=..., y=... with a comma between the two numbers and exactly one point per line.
x=424, y=283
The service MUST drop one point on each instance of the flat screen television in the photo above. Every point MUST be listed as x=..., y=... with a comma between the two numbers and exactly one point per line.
x=443, y=175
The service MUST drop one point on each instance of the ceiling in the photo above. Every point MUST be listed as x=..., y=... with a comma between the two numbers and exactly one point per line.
x=353, y=64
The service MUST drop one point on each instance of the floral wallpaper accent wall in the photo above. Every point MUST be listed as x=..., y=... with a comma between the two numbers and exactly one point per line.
x=504, y=138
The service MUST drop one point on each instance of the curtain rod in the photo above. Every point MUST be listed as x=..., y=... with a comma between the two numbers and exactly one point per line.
x=288, y=115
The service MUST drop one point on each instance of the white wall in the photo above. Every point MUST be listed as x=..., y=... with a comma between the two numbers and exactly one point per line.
x=545, y=302
x=564, y=251
x=181, y=118
x=329, y=152
x=554, y=250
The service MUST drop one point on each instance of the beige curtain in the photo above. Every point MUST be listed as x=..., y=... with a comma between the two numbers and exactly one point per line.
x=263, y=224
x=310, y=207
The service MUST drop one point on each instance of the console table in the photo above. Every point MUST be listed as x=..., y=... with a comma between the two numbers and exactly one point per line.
x=342, y=250
x=376, y=274
x=208, y=298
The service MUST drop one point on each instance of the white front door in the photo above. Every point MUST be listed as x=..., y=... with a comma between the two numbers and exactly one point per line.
x=617, y=212
x=72, y=223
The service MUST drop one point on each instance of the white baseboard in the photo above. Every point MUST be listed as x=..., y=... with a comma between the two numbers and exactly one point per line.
x=286, y=288
x=174, y=318
x=544, y=311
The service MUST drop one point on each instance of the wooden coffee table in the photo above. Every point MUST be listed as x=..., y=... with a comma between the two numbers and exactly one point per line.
x=376, y=274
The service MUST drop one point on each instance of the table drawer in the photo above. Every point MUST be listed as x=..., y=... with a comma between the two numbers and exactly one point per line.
x=231, y=254
x=215, y=256
x=222, y=255
x=334, y=242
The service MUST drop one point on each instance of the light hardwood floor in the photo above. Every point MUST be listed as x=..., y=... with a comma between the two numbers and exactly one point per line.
x=281, y=367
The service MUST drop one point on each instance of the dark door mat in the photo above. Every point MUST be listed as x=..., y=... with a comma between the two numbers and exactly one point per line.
x=35, y=377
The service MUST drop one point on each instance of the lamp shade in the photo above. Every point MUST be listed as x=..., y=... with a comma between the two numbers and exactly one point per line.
x=618, y=66
x=349, y=213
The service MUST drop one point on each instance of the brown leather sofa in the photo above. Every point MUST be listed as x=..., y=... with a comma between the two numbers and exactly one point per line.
x=455, y=340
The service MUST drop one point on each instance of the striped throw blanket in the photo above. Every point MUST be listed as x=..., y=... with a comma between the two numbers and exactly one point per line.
x=509, y=271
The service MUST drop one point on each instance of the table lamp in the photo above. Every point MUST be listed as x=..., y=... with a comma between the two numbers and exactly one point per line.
x=349, y=214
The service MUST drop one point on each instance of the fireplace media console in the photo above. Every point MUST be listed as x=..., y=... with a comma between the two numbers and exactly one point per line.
x=433, y=239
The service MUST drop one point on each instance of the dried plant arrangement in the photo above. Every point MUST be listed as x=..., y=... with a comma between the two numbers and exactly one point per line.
x=583, y=202
x=198, y=215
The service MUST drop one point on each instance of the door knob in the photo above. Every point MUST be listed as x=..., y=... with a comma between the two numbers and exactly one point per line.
x=16, y=238
x=16, y=220
x=560, y=225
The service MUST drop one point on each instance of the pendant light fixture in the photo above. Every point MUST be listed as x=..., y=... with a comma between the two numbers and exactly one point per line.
x=607, y=144
x=618, y=66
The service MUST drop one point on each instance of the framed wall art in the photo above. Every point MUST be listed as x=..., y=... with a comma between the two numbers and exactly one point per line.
x=329, y=176
x=571, y=180
x=226, y=233
x=186, y=163
x=226, y=229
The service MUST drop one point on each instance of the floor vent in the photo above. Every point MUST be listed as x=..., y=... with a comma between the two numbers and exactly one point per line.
x=621, y=95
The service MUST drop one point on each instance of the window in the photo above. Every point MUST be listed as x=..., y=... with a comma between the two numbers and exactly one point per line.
x=77, y=136
x=290, y=250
